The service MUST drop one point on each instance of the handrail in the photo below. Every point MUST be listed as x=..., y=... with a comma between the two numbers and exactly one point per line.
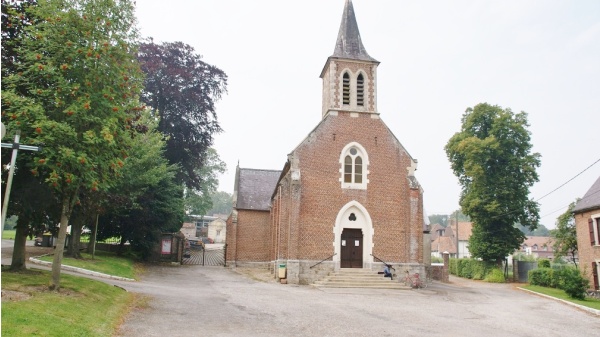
x=387, y=264
x=325, y=259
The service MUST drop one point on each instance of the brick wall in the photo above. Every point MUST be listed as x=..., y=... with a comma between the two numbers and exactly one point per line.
x=307, y=209
x=586, y=252
x=248, y=240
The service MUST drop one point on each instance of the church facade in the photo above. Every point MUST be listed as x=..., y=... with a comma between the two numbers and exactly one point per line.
x=347, y=196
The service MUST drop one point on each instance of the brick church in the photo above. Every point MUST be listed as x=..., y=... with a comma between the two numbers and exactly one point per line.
x=347, y=196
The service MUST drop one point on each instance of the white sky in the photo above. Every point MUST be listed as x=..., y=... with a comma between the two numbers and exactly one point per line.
x=437, y=58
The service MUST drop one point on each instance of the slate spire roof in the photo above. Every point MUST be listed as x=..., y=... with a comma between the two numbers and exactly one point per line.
x=349, y=44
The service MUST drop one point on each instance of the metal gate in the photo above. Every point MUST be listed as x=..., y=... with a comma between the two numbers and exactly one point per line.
x=205, y=255
x=523, y=268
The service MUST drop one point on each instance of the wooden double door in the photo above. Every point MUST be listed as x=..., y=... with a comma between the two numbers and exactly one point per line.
x=352, y=248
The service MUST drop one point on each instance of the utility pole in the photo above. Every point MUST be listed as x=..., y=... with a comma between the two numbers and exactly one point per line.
x=457, y=247
x=16, y=147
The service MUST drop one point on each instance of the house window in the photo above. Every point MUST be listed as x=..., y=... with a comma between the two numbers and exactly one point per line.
x=594, y=227
x=346, y=89
x=360, y=90
x=354, y=162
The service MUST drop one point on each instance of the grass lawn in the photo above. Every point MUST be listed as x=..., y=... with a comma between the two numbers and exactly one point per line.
x=103, y=262
x=560, y=294
x=30, y=309
x=8, y=234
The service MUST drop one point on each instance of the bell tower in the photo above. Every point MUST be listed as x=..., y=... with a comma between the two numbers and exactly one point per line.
x=350, y=74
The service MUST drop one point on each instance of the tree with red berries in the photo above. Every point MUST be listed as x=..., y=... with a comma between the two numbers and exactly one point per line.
x=75, y=90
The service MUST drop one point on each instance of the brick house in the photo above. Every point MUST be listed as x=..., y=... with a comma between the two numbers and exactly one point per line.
x=538, y=246
x=587, y=224
x=347, y=196
x=444, y=239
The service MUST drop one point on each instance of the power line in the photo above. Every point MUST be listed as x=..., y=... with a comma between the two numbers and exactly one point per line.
x=558, y=209
x=578, y=174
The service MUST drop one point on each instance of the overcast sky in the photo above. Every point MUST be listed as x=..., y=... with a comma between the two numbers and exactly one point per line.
x=437, y=59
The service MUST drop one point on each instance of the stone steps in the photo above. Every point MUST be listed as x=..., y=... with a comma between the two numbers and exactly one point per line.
x=359, y=278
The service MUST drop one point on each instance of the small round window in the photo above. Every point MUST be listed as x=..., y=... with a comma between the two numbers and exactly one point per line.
x=353, y=151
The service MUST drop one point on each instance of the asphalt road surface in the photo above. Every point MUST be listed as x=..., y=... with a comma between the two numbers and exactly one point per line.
x=215, y=301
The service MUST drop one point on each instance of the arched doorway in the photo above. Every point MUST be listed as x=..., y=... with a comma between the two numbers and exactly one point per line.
x=351, y=248
x=353, y=232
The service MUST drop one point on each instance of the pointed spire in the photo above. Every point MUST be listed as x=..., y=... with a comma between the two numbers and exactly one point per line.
x=349, y=45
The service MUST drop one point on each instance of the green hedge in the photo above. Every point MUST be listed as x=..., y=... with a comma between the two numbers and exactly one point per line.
x=568, y=279
x=470, y=268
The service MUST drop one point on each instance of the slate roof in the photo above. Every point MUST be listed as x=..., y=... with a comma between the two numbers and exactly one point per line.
x=591, y=200
x=255, y=187
x=349, y=44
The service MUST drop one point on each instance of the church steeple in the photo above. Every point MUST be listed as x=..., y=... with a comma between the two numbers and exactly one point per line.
x=349, y=75
x=349, y=44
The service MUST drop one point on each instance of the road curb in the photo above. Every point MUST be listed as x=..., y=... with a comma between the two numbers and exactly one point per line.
x=584, y=308
x=79, y=270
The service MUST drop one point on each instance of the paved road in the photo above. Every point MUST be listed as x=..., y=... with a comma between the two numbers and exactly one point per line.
x=214, y=301
x=217, y=301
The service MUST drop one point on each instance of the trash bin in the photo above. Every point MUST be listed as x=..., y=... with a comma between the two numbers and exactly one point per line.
x=281, y=271
x=47, y=240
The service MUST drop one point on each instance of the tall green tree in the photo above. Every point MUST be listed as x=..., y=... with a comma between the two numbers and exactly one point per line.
x=75, y=91
x=222, y=203
x=199, y=201
x=148, y=200
x=182, y=89
x=565, y=235
x=491, y=156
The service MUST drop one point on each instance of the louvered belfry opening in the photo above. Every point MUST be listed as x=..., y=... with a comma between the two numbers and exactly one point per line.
x=360, y=90
x=346, y=89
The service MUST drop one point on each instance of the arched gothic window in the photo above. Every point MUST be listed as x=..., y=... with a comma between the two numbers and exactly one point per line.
x=354, y=162
x=346, y=89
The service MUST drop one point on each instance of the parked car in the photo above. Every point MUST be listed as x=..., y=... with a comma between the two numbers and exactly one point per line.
x=196, y=243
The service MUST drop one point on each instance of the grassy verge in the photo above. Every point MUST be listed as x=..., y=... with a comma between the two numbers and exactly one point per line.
x=8, y=234
x=29, y=309
x=560, y=294
x=103, y=262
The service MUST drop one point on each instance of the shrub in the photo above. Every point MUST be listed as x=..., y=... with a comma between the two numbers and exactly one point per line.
x=464, y=268
x=574, y=284
x=453, y=267
x=544, y=263
x=471, y=268
x=435, y=259
x=495, y=276
x=541, y=277
x=568, y=279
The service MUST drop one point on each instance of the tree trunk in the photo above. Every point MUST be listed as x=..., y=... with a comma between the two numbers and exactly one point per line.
x=19, y=250
x=94, y=230
x=60, y=243
x=74, y=243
